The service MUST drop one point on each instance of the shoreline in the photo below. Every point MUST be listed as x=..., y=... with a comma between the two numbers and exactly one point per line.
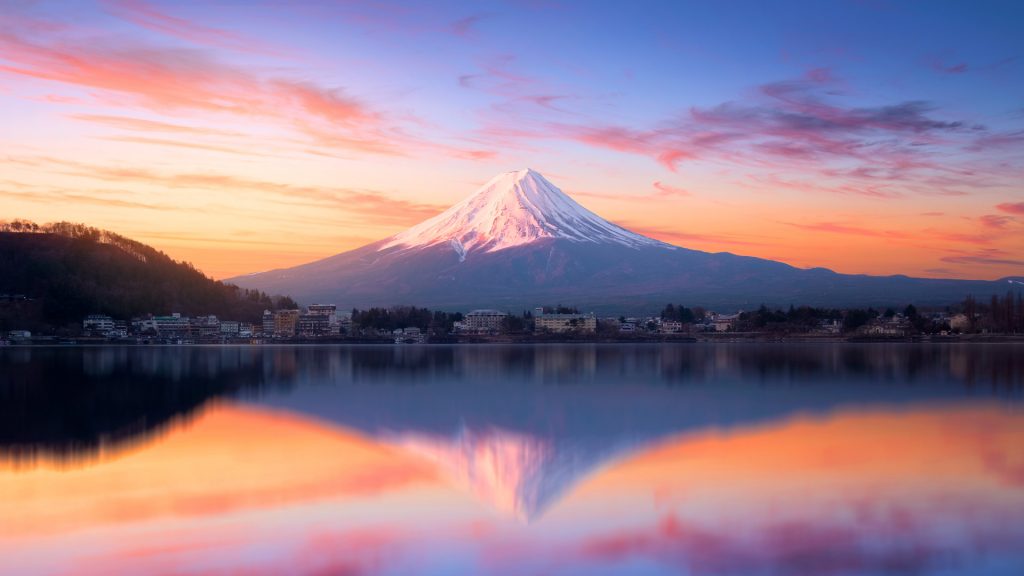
x=723, y=338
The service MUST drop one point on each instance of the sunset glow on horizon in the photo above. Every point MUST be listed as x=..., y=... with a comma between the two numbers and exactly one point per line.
x=865, y=137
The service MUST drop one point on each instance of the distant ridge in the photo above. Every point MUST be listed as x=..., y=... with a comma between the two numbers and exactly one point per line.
x=519, y=242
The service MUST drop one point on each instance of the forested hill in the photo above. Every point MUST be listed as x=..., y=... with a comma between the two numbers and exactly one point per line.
x=66, y=271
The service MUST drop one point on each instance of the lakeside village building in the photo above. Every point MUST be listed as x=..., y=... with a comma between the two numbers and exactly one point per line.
x=558, y=323
x=482, y=322
x=323, y=320
x=319, y=320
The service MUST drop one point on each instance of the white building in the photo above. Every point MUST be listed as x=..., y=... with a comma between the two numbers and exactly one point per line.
x=724, y=322
x=484, y=321
x=229, y=327
x=670, y=326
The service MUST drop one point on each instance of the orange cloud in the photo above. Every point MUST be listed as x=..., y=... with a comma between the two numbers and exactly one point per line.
x=682, y=238
x=142, y=125
x=383, y=208
x=835, y=228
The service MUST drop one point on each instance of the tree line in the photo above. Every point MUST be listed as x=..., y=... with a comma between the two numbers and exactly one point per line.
x=52, y=275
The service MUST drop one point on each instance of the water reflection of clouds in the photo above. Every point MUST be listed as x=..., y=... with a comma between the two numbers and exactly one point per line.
x=856, y=492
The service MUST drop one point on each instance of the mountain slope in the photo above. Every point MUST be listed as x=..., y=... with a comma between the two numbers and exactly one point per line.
x=519, y=242
x=67, y=271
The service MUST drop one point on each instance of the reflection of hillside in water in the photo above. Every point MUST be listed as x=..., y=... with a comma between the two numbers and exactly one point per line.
x=71, y=401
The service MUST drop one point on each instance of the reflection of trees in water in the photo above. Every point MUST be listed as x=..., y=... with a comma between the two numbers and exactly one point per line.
x=66, y=400
x=76, y=400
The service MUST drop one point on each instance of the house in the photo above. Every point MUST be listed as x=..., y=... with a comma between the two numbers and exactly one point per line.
x=960, y=323
x=724, y=322
x=830, y=326
x=670, y=326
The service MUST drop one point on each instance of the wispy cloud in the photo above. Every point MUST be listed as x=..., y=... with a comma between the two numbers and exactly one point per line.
x=985, y=257
x=996, y=222
x=466, y=27
x=668, y=191
x=143, y=125
x=837, y=228
x=154, y=18
x=802, y=126
x=1012, y=207
x=120, y=71
x=357, y=203
x=673, y=236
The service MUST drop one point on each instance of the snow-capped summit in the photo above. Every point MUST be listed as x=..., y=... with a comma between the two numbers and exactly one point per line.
x=513, y=209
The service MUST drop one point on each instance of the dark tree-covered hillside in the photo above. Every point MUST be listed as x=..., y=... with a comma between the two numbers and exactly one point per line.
x=52, y=275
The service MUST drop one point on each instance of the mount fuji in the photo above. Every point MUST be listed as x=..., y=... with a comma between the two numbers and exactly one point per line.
x=520, y=242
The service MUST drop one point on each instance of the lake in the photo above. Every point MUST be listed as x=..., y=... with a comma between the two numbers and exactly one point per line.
x=751, y=459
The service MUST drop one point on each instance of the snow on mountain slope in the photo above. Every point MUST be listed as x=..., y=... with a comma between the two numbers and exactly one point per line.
x=513, y=209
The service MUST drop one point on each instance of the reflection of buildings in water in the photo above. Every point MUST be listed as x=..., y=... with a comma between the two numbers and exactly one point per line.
x=631, y=389
x=565, y=365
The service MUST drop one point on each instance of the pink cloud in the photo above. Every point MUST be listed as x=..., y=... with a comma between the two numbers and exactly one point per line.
x=666, y=190
x=1012, y=207
x=995, y=222
x=163, y=79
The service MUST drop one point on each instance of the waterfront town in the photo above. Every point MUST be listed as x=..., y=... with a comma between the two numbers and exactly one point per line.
x=407, y=324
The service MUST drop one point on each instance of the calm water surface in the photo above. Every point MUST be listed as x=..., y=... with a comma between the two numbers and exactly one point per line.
x=582, y=459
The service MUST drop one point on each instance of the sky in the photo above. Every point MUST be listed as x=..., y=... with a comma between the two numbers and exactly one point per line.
x=863, y=136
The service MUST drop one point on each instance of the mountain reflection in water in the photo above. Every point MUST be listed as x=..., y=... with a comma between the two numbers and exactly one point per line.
x=752, y=459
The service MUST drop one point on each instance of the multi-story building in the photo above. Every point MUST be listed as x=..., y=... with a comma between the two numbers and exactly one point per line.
x=205, y=326
x=173, y=324
x=313, y=325
x=98, y=324
x=285, y=323
x=484, y=321
x=326, y=311
x=268, y=323
x=547, y=322
x=329, y=310
x=229, y=328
